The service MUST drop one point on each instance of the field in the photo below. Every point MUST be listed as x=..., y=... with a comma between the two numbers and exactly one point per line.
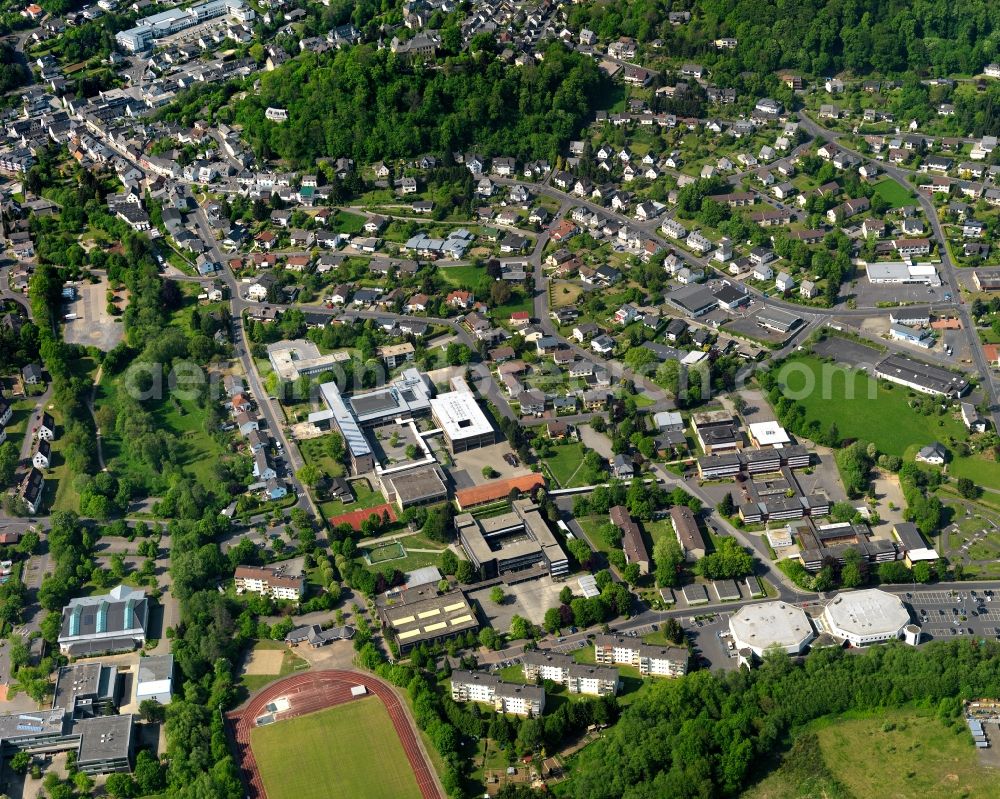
x=564, y=464
x=268, y=661
x=893, y=193
x=898, y=753
x=465, y=277
x=393, y=551
x=350, y=750
x=843, y=397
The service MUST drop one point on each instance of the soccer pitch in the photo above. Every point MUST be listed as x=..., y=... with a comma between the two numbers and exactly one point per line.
x=351, y=750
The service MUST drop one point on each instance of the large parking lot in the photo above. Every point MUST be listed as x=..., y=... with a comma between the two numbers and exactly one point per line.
x=949, y=614
x=845, y=351
x=93, y=325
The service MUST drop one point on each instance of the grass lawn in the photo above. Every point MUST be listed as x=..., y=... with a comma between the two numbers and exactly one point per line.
x=565, y=294
x=350, y=750
x=364, y=497
x=346, y=222
x=842, y=396
x=316, y=452
x=894, y=193
x=898, y=753
x=591, y=526
x=464, y=277
x=409, y=562
x=564, y=464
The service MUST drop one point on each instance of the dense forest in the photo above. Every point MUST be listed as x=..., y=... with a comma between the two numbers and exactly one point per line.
x=368, y=104
x=819, y=37
x=705, y=735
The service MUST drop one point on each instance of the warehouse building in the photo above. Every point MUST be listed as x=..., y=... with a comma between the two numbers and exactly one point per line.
x=764, y=625
x=866, y=617
x=518, y=545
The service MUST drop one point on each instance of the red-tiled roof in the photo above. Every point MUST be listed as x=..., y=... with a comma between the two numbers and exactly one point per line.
x=498, y=489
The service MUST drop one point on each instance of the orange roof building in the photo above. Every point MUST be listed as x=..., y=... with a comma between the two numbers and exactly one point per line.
x=497, y=490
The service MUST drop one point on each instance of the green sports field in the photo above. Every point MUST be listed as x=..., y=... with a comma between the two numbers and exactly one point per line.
x=351, y=750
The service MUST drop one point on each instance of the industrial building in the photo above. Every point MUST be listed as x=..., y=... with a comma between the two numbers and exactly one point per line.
x=921, y=376
x=767, y=625
x=563, y=669
x=112, y=622
x=866, y=617
x=474, y=686
x=460, y=418
x=518, y=545
x=422, y=616
x=651, y=660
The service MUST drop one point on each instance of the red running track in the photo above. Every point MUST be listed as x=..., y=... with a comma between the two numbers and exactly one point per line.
x=317, y=690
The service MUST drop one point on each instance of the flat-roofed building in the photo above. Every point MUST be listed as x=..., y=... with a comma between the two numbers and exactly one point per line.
x=764, y=625
x=112, y=622
x=517, y=545
x=424, y=616
x=717, y=432
x=407, y=397
x=154, y=679
x=922, y=377
x=651, y=660
x=475, y=686
x=688, y=534
x=460, y=418
x=713, y=467
x=768, y=434
x=563, y=669
x=294, y=359
x=86, y=689
x=866, y=617
x=101, y=744
x=419, y=486
x=271, y=581
x=632, y=543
